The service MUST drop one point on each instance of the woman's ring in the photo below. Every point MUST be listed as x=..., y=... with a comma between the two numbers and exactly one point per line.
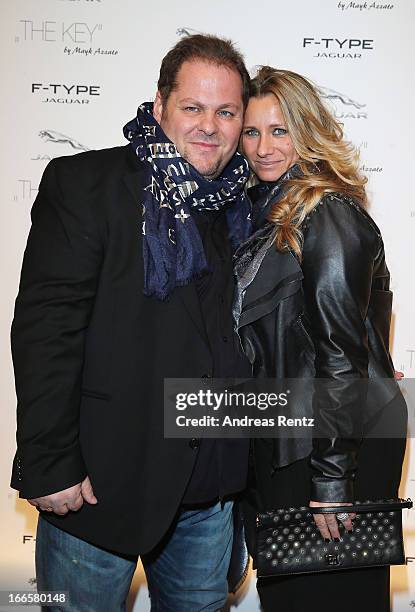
x=342, y=516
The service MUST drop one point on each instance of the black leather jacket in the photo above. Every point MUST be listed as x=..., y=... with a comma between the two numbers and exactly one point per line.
x=327, y=317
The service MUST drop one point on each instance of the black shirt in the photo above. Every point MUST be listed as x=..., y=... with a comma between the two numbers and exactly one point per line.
x=221, y=465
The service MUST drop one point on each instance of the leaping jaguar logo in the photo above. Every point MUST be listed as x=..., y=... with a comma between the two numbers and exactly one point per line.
x=332, y=94
x=187, y=32
x=52, y=136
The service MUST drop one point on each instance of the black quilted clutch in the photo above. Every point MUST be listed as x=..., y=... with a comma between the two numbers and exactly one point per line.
x=288, y=541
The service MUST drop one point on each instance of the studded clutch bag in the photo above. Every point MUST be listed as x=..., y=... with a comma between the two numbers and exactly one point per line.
x=288, y=541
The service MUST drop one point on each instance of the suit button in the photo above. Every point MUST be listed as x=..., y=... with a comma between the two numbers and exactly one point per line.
x=194, y=443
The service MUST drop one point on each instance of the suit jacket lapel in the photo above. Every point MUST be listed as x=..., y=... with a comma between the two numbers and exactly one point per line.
x=191, y=302
x=134, y=176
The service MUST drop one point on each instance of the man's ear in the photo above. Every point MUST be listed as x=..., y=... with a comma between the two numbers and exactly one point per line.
x=158, y=108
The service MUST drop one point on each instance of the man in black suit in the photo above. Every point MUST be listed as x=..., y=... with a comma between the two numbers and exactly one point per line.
x=127, y=280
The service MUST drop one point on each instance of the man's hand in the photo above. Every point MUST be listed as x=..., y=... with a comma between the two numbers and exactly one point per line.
x=68, y=499
x=327, y=523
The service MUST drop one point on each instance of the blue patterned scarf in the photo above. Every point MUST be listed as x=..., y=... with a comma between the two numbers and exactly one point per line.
x=172, y=248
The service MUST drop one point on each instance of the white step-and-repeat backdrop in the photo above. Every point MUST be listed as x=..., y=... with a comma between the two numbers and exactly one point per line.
x=74, y=71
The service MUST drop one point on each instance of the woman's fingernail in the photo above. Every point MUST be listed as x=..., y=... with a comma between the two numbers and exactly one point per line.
x=336, y=539
x=327, y=540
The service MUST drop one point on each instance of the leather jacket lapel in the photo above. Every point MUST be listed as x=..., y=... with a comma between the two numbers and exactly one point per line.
x=278, y=276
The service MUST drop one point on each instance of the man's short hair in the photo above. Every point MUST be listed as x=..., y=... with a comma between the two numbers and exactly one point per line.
x=219, y=51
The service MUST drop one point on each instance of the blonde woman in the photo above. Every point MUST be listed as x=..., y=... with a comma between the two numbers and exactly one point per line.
x=313, y=301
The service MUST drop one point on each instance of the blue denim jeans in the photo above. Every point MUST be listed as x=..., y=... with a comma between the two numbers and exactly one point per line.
x=187, y=574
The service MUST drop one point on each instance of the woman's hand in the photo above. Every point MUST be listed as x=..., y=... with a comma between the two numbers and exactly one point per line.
x=327, y=523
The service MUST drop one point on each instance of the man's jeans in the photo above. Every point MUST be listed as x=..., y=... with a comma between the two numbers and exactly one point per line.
x=188, y=575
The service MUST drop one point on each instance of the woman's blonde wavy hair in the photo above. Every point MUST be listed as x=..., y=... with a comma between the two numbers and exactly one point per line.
x=328, y=162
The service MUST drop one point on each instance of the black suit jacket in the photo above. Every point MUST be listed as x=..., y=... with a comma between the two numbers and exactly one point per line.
x=91, y=351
